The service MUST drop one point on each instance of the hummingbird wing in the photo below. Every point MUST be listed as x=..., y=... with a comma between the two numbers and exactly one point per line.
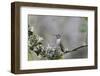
x=62, y=47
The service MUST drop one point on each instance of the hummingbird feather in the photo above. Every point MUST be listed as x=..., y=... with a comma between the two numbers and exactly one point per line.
x=62, y=47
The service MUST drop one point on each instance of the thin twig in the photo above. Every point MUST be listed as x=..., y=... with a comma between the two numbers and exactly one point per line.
x=76, y=49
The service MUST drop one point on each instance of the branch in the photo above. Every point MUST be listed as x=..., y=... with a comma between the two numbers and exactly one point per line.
x=76, y=49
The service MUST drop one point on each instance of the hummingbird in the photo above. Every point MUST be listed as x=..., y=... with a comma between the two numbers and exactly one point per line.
x=58, y=42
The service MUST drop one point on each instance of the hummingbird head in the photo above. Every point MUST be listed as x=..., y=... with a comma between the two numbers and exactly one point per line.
x=58, y=36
